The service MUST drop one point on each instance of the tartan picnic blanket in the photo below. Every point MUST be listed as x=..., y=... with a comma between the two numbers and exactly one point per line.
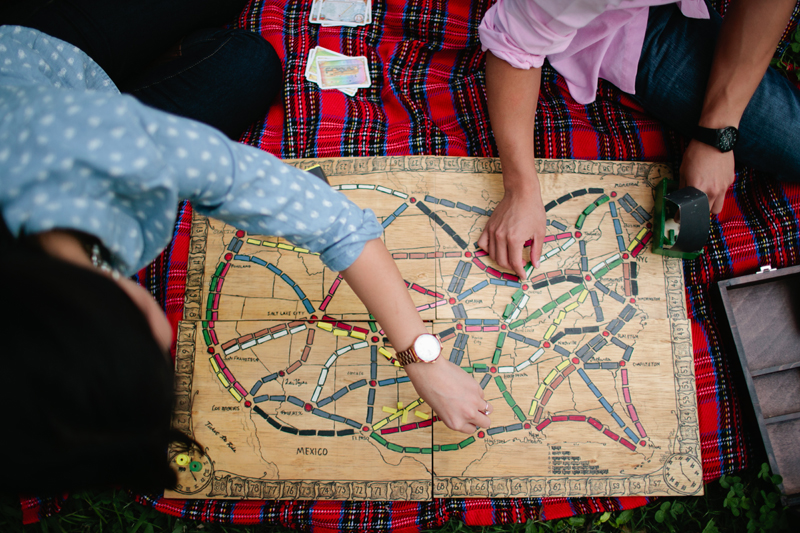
x=427, y=97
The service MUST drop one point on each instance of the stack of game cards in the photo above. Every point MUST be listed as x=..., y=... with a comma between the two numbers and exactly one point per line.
x=341, y=12
x=331, y=70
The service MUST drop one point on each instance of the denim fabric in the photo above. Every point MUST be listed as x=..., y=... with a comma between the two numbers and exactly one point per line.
x=671, y=82
x=226, y=78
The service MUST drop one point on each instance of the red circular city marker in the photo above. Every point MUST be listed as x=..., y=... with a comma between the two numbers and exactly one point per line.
x=467, y=254
x=578, y=234
x=493, y=370
x=240, y=234
x=452, y=301
x=365, y=428
x=308, y=407
x=525, y=287
x=605, y=334
x=633, y=300
x=546, y=344
x=649, y=224
x=210, y=349
x=625, y=256
x=281, y=373
x=372, y=383
x=613, y=194
x=622, y=363
x=413, y=199
x=481, y=434
x=575, y=360
x=503, y=326
x=459, y=326
x=375, y=339
x=527, y=425
x=643, y=443
x=228, y=257
x=588, y=277
x=247, y=403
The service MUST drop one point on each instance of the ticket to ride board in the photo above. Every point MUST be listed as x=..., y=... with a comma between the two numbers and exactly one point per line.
x=293, y=390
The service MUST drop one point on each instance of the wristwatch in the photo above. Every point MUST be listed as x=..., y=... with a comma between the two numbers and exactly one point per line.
x=724, y=139
x=425, y=349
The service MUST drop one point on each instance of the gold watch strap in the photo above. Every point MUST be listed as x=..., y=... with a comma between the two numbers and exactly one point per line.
x=406, y=357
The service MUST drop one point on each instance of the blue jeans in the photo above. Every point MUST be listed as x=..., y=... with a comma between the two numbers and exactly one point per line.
x=671, y=82
x=173, y=55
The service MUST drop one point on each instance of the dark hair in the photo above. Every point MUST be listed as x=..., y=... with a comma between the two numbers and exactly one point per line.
x=87, y=393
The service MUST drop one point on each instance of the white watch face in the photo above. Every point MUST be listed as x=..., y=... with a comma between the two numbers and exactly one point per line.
x=427, y=347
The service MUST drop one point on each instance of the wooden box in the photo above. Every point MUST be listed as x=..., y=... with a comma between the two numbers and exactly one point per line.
x=763, y=311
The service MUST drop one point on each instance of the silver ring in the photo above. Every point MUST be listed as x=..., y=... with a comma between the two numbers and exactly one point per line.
x=486, y=410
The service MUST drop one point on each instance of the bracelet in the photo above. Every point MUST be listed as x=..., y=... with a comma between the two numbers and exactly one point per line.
x=98, y=254
x=98, y=260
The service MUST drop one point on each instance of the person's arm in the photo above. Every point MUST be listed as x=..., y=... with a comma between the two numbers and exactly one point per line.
x=452, y=393
x=749, y=34
x=512, y=95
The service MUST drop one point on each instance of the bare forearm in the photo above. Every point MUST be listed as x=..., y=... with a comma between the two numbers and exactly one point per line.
x=512, y=95
x=377, y=282
x=452, y=393
x=750, y=31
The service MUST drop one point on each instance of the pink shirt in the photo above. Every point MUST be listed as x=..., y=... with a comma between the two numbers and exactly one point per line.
x=583, y=39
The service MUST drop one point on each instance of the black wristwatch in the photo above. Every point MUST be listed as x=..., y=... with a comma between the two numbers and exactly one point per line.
x=724, y=139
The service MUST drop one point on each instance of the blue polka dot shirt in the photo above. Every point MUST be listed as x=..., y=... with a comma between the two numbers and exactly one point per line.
x=76, y=154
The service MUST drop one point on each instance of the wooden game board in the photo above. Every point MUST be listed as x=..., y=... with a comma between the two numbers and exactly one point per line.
x=295, y=394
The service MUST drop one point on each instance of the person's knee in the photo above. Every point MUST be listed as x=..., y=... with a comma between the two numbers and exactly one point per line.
x=254, y=60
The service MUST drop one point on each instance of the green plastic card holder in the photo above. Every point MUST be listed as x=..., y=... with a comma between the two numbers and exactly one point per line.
x=688, y=208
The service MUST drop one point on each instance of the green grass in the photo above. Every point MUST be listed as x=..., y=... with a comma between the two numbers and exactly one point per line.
x=747, y=503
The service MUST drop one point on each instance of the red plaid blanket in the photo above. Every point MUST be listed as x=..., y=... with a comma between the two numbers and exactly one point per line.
x=427, y=97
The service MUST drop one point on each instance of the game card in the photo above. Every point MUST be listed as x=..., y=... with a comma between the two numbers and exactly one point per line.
x=341, y=12
x=314, y=14
x=335, y=73
x=311, y=66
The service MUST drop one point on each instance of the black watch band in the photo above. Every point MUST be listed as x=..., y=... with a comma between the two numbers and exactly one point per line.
x=723, y=139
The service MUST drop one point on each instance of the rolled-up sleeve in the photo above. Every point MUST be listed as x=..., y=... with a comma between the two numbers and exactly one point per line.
x=525, y=32
x=263, y=195
x=522, y=33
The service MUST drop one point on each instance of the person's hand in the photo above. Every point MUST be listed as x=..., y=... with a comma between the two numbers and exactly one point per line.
x=709, y=170
x=518, y=217
x=454, y=395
